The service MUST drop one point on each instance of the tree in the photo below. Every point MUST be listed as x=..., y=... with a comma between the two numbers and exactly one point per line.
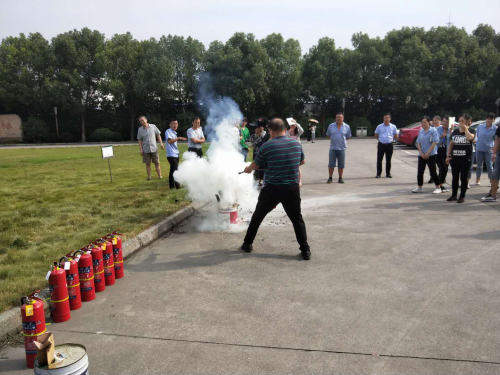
x=322, y=74
x=283, y=74
x=25, y=74
x=79, y=70
x=187, y=59
x=237, y=69
x=138, y=74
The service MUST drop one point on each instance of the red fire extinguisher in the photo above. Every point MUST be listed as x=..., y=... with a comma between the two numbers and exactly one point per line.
x=109, y=267
x=98, y=266
x=33, y=318
x=59, y=298
x=86, y=273
x=71, y=267
x=117, y=255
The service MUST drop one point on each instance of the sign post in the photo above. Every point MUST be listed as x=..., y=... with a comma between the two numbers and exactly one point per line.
x=107, y=153
x=57, y=125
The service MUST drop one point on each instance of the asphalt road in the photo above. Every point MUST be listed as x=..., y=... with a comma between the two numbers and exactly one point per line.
x=398, y=283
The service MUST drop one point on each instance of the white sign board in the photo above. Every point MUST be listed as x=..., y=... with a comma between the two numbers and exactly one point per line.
x=107, y=152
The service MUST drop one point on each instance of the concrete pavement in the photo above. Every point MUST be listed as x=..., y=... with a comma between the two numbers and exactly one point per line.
x=398, y=283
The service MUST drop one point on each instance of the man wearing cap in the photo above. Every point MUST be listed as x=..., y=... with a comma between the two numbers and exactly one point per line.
x=385, y=133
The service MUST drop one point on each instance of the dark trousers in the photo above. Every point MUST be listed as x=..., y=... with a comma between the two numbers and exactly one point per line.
x=460, y=172
x=443, y=167
x=431, y=163
x=174, y=164
x=309, y=136
x=270, y=196
x=384, y=149
x=198, y=151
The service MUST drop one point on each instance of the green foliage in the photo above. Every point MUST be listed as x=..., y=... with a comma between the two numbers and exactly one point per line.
x=105, y=135
x=66, y=137
x=35, y=131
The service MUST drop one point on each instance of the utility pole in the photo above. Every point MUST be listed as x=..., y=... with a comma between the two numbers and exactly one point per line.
x=57, y=125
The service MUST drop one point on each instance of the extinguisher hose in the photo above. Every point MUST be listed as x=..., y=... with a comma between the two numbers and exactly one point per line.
x=78, y=251
x=64, y=258
x=25, y=300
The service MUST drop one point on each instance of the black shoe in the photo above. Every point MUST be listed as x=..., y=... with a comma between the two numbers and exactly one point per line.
x=306, y=255
x=377, y=176
x=247, y=247
x=341, y=181
x=460, y=200
x=389, y=175
x=329, y=180
x=431, y=181
x=452, y=198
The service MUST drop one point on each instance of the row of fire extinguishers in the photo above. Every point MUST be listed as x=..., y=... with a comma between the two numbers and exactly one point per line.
x=75, y=278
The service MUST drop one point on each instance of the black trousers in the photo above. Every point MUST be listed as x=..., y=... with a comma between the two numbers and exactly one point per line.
x=270, y=196
x=174, y=164
x=460, y=172
x=384, y=149
x=441, y=162
x=309, y=135
x=198, y=151
x=431, y=163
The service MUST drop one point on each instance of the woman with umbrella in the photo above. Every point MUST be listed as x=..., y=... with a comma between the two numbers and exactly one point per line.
x=311, y=130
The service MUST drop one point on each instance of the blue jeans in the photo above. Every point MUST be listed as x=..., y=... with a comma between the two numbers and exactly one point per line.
x=486, y=157
x=472, y=158
x=336, y=157
x=244, y=151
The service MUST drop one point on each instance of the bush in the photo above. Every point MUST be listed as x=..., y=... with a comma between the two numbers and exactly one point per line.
x=105, y=135
x=66, y=137
x=35, y=130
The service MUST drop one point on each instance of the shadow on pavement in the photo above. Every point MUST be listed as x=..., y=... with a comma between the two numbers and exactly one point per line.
x=201, y=259
x=488, y=236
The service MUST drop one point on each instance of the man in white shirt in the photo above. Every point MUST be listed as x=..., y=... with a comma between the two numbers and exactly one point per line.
x=385, y=133
x=147, y=135
x=196, y=138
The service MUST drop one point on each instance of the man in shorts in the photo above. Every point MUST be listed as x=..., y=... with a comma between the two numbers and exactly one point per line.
x=147, y=135
x=495, y=176
x=338, y=133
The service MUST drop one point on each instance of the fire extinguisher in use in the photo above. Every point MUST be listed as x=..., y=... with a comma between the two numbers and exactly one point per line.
x=59, y=298
x=33, y=318
x=86, y=274
x=98, y=266
x=73, y=281
x=117, y=255
x=109, y=266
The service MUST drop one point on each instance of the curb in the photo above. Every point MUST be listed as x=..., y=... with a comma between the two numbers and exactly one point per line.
x=10, y=322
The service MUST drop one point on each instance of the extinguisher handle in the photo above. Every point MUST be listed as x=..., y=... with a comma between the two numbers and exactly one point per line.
x=64, y=258
x=78, y=251
x=25, y=300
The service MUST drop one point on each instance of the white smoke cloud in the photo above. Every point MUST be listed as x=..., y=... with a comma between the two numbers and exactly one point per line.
x=218, y=173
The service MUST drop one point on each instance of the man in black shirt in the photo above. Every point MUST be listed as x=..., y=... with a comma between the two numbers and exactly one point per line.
x=495, y=177
x=460, y=156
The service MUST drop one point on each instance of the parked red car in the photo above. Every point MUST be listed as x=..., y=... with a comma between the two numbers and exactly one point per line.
x=408, y=135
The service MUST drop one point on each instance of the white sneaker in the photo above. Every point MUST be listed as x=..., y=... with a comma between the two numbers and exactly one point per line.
x=437, y=191
x=476, y=184
x=490, y=185
x=468, y=186
x=417, y=190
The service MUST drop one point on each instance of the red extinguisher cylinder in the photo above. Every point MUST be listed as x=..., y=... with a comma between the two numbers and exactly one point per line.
x=86, y=274
x=118, y=256
x=59, y=298
x=73, y=282
x=98, y=267
x=109, y=266
x=33, y=318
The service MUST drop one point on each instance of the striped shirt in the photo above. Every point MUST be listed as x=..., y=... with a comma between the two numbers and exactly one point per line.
x=282, y=157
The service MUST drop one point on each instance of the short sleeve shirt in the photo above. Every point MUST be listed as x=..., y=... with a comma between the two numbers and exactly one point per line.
x=426, y=138
x=196, y=134
x=443, y=141
x=338, y=137
x=462, y=147
x=282, y=157
x=148, y=138
x=245, y=133
x=386, y=133
x=172, y=150
x=485, y=137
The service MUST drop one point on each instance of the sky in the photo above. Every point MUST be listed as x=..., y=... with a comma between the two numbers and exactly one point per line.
x=209, y=20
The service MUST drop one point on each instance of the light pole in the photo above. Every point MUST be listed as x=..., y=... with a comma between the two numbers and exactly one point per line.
x=498, y=104
x=57, y=125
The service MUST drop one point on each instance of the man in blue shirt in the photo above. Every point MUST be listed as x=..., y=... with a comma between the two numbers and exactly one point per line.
x=173, y=151
x=338, y=133
x=282, y=157
x=385, y=133
x=485, y=135
x=444, y=134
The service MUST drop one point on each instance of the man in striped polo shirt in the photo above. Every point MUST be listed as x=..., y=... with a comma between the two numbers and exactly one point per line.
x=282, y=157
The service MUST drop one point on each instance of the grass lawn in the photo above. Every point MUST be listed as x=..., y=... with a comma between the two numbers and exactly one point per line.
x=53, y=201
